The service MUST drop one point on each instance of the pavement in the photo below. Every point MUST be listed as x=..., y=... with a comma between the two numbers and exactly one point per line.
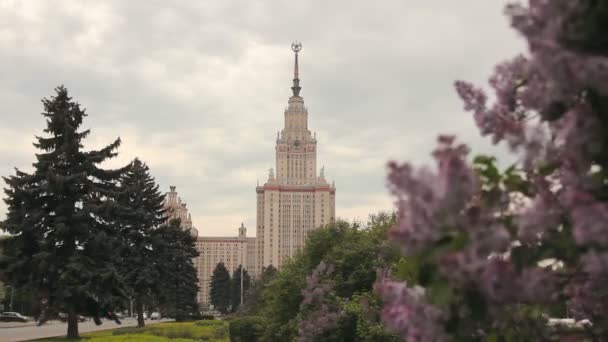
x=18, y=325
x=16, y=332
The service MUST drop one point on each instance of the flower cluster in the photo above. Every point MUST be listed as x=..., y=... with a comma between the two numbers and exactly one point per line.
x=407, y=312
x=422, y=196
x=551, y=109
x=321, y=313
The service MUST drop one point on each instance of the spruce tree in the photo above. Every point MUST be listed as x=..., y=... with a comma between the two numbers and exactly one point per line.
x=141, y=211
x=220, y=288
x=177, y=286
x=63, y=244
x=235, y=287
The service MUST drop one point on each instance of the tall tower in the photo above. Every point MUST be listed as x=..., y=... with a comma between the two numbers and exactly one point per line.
x=176, y=209
x=295, y=200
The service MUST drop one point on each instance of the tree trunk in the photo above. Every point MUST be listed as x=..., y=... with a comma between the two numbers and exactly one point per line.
x=73, y=326
x=140, y=314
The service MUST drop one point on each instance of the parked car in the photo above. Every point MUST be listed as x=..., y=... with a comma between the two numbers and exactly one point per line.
x=64, y=317
x=155, y=315
x=145, y=316
x=12, y=317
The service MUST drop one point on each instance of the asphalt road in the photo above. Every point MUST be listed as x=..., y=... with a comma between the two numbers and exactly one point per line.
x=27, y=331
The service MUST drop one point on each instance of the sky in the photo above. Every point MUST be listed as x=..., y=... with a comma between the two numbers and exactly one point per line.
x=197, y=89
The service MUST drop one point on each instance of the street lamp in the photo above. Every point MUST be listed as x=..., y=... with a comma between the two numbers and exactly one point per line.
x=242, y=267
x=12, y=296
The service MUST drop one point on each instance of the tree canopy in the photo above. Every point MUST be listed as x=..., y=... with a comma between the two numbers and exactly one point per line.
x=63, y=242
x=333, y=276
x=141, y=212
x=175, y=248
x=219, y=292
x=235, y=287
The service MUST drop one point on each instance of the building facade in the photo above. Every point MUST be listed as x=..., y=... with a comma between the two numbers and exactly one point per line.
x=294, y=200
x=176, y=209
x=232, y=251
x=290, y=204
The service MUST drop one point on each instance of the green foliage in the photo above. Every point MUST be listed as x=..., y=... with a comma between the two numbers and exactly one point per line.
x=235, y=287
x=60, y=218
x=141, y=211
x=246, y=329
x=355, y=252
x=511, y=180
x=177, y=287
x=220, y=288
x=190, y=331
x=253, y=296
x=363, y=311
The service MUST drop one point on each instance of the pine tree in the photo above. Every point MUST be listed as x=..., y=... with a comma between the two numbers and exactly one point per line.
x=174, y=250
x=62, y=245
x=142, y=211
x=235, y=287
x=220, y=288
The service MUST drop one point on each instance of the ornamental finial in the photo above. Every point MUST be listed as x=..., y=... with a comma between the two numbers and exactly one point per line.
x=296, y=47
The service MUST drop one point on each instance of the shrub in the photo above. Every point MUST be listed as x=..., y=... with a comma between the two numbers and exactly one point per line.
x=132, y=338
x=209, y=323
x=246, y=329
x=220, y=332
x=128, y=330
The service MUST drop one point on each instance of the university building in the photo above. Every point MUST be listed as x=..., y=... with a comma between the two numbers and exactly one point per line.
x=176, y=209
x=232, y=251
x=292, y=202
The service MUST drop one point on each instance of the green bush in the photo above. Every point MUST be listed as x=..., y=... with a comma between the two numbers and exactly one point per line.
x=216, y=331
x=134, y=338
x=220, y=332
x=128, y=330
x=246, y=329
x=209, y=323
x=207, y=317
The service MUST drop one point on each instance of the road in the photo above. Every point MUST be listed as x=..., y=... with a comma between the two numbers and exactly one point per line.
x=27, y=331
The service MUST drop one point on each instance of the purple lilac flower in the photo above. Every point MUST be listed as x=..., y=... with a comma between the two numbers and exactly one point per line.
x=407, y=312
x=322, y=313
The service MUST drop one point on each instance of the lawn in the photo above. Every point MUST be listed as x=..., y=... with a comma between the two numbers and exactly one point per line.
x=216, y=331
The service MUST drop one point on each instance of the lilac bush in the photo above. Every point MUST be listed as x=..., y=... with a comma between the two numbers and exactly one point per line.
x=480, y=238
x=320, y=310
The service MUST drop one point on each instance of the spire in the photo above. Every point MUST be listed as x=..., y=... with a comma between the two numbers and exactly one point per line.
x=296, y=47
x=242, y=230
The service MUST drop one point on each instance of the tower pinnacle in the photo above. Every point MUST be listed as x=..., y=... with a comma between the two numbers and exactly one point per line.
x=296, y=47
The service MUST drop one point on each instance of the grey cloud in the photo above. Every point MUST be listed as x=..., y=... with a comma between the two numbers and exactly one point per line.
x=198, y=88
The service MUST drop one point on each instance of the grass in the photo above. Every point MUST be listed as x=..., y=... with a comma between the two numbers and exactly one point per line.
x=214, y=331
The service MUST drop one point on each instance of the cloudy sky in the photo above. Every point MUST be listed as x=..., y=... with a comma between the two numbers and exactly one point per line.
x=197, y=89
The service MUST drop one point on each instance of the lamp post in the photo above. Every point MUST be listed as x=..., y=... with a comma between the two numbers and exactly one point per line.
x=241, y=284
x=12, y=296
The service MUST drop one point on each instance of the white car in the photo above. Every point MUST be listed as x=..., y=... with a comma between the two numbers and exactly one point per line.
x=12, y=317
x=155, y=315
x=145, y=316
